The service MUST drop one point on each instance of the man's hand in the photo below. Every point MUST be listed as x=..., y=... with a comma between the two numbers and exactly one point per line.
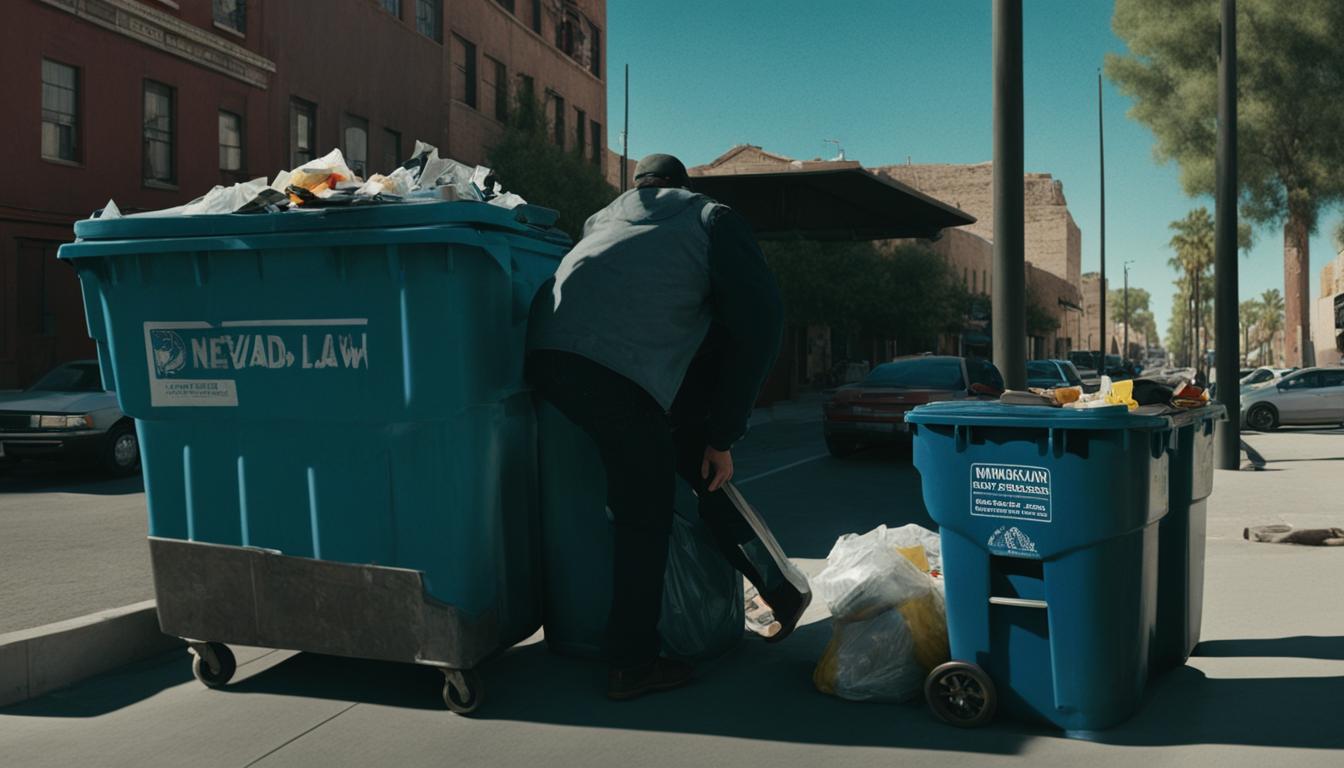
x=722, y=464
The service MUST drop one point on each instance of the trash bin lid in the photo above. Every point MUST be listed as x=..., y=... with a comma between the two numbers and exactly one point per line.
x=1186, y=416
x=525, y=220
x=996, y=414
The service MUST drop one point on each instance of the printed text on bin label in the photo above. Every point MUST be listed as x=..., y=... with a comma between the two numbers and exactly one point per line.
x=1012, y=491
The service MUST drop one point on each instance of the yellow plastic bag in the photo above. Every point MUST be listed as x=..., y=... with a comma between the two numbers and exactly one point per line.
x=1122, y=393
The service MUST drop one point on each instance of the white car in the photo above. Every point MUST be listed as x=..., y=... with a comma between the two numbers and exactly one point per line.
x=1304, y=397
x=1264, y=375
x=67, y=415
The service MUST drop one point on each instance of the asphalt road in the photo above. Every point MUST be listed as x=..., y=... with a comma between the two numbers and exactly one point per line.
x=71, y=543
x=1266, y=687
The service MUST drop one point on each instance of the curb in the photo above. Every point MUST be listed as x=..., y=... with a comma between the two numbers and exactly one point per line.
x=39, y=660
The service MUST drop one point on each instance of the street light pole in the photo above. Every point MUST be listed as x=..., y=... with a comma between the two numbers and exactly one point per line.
x=1101, y=163
x=625, y=134
x=1227, y=445
x=1008, y=309
x=1124, y=351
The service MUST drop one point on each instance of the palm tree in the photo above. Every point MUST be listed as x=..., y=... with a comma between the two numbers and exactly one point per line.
x=1193, y=244
x=1249, y=311
x=1271, y=318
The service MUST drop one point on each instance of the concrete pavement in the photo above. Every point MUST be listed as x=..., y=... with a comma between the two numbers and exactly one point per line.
x=1267, y=688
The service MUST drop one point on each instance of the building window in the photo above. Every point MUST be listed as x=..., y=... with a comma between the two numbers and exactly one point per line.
x=506, y=5
x=393, y=7
x=230, y=142
x=598, y=147
x=975, y=288
x=464, y=70
x=496, y=81
x=429, y=19
x=527, y=89
x=355, y=144
x=60, y=111
x=391, y=150
x=580, y=122
x=536, y=16
x=557, y=116
x=159, y=163
x=594, y=50
x=232, y=14
x=302, y=132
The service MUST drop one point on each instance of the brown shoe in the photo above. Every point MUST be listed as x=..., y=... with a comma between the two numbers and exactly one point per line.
x=659, y=675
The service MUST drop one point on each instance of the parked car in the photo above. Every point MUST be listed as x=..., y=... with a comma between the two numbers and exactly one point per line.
x=1263, y=375
x=67, y=415
x=1303, y=397
x=873, y=410
x=1047, y=374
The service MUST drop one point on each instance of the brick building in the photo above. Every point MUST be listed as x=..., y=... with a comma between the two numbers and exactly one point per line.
x=1052, y=237
x=153, y=102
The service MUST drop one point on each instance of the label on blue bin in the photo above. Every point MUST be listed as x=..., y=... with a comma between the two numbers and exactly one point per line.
x=1013, y=491
x=194, y=363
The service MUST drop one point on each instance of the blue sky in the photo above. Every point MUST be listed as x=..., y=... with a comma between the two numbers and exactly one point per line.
x=912, y=78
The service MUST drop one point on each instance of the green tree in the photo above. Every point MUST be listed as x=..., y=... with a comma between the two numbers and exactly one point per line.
x=1248, y=313
x=527, y=162
x=1139, y=316
x=1290, y=71
x=1192, y=243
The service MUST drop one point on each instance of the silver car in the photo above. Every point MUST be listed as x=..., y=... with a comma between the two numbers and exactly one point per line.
x=67, y=415
x=1306, y=396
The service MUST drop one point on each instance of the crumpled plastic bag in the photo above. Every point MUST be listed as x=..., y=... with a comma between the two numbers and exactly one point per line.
x=889, y=614
x=868, y=660
x=703, y=603
x=238, y=198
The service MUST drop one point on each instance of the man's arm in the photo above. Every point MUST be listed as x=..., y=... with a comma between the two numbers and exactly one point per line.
x=746, y=303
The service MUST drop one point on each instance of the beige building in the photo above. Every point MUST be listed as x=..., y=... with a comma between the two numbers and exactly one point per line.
x=1327, y=336
x=1053, y=240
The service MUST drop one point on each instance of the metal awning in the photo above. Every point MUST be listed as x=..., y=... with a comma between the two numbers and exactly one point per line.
x=848, y=203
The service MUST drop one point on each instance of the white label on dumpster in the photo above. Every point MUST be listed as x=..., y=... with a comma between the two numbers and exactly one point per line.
x=188, y=360
x=1014, y=491
x=1010, y=540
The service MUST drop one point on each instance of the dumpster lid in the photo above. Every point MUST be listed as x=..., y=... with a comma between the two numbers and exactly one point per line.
x=525, y=220
x=981, y=413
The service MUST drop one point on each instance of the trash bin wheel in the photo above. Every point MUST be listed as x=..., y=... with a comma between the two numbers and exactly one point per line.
x=462, y=690
x=213, y=664
x=961, y=694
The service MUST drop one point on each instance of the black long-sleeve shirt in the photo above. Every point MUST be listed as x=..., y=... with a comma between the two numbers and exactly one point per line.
x=749, y=316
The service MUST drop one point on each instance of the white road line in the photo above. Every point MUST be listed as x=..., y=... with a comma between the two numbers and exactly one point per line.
x=780, y=469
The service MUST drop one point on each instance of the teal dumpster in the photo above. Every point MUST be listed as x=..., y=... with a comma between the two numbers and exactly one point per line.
x=703, y=613
x=337, y=444
x=1049, y=525
x=1180, y=569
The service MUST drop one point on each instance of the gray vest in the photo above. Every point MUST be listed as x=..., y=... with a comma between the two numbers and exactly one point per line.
x=633, y=294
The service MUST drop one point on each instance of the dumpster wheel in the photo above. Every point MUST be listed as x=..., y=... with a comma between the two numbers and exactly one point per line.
x=212, y=663
x=462, y=690
x=961, y=694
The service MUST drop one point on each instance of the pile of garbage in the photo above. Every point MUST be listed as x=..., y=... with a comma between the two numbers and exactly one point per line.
x=1131, y=393
x=329, y=181
x=889, y=616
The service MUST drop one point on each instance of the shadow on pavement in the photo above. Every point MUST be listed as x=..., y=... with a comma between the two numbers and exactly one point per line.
x=109, y=692
x=1300, y=646
x=41, y=477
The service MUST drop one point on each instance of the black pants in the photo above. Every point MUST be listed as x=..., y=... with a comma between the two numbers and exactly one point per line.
x=642, y=449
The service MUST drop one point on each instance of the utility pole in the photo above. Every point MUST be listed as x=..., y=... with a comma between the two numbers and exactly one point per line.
x=1101, y=162
x=625, y=135
x=1227, y=445
x=1008, y=310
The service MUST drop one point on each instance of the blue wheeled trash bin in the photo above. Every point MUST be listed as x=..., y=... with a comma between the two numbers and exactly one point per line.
x=1180, y=566
x=338, y=448
x=1049, y=525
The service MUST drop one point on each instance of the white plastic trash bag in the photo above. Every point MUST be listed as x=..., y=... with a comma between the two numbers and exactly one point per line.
x=888, y=613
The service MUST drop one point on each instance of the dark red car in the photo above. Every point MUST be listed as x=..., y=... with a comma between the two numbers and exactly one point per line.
x=873, y=410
